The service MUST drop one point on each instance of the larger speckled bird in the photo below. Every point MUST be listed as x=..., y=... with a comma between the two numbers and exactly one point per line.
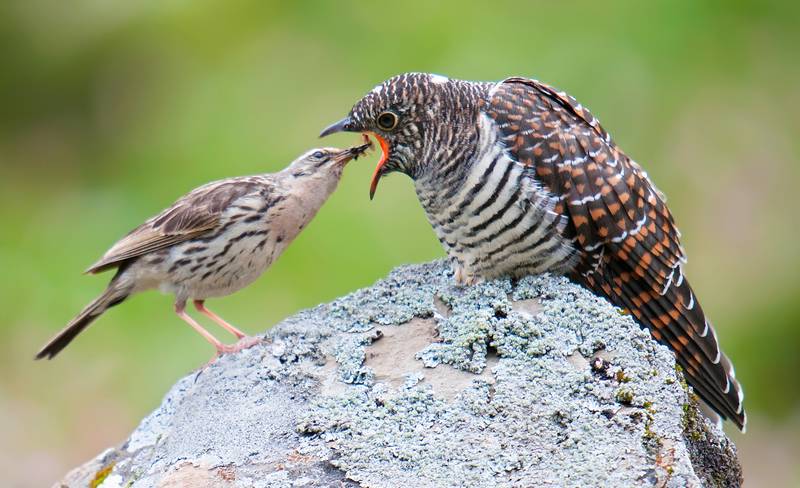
x=517, y=177
x=214, y=241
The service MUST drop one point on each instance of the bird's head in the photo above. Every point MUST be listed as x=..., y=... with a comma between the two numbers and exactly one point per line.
x=324, y=162
x=413, y=117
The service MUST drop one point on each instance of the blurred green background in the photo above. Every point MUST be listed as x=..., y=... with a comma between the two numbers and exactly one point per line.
x=111, y=110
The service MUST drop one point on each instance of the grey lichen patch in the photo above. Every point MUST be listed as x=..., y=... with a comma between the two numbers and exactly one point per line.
x=402, y=296
x=416, y=381
x=350, y=354
x=484, y=317
x=394, y=361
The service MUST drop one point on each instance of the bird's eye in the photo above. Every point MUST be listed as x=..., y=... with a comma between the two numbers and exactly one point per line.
x=387, y=120
x=318, y=155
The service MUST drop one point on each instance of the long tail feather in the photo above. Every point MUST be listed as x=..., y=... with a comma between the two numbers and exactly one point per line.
x=110, y=297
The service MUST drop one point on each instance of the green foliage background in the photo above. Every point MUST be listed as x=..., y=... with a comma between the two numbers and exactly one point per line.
x=111, y=110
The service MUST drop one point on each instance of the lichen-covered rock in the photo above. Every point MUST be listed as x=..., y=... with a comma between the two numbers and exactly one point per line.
x=417, y=382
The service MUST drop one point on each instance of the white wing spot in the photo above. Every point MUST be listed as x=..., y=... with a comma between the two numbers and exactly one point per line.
x=590, y=198
x=666, y=285
x=551, y=158
x=593, y=246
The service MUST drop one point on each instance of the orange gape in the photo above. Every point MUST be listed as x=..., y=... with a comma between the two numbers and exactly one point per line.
x=376, y=176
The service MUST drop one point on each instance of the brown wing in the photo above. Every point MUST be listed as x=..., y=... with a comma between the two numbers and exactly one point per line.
x=194, y=214
x=627, y=238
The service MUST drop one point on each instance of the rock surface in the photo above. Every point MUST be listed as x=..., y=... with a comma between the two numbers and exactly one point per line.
x=417, y=382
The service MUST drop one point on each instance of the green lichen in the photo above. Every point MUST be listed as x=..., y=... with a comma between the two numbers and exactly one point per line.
x=651, y=440
x=681, y=377
x=691, y=424
x=624, y=396
x=101, y=475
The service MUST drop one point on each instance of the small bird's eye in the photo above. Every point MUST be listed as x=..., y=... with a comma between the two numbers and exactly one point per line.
x=387, y=120
x=318, y=155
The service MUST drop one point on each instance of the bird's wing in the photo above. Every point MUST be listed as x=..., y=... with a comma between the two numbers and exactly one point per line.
x=630, y=246
x=192, y=215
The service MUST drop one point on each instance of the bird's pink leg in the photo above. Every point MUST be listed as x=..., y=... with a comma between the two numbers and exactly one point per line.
x=244, y=341
x=201, y=307
x=180, y=309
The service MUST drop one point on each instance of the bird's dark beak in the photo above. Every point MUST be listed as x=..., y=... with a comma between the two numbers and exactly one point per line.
x=344, y=125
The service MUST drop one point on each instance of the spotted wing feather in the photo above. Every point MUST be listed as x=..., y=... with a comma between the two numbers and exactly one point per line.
x=628, y=243
x=192, y=215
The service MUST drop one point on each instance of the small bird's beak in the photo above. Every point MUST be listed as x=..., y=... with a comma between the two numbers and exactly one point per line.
x=347, y=125
x=349, y=154
x=344, y=125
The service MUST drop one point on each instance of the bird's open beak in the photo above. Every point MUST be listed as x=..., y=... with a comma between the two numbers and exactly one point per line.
x=347, y=125
x=376, y=175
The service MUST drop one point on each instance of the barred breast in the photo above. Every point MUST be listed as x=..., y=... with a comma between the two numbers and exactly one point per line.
x=499, y=220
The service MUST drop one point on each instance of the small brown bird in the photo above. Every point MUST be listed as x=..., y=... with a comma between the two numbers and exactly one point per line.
x=214, y=241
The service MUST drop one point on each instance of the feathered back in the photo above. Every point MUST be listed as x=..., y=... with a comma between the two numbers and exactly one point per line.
x=629, y=244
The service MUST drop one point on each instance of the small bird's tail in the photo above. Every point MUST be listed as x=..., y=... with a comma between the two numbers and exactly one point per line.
x=113, y=295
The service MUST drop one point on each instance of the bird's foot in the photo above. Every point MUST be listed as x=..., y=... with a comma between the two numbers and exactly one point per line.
x=243, y=343
x=464, y=277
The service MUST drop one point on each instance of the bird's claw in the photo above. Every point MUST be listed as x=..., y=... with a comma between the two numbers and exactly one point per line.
x=243, y=343
x=465, y=278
